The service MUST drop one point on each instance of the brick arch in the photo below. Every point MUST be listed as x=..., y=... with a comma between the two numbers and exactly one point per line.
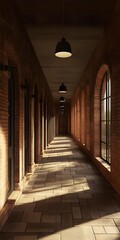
x=98, y=83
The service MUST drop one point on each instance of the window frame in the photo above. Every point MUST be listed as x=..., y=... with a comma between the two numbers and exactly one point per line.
x=107, y=120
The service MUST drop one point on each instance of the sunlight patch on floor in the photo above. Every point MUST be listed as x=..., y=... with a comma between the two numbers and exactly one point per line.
x=58, y=154
x=54, y=146
x=67, y=192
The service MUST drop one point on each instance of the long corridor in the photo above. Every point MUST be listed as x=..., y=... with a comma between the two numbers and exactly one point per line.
x=65, y=199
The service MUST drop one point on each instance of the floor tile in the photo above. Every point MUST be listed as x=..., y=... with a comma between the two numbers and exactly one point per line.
x=111, y=229
x=76, y=212
x=98, y=229
x=51, y=237
x=67, y=220
x=14, y=227
x=28, y=237
x=70, y=234
x=51, y=219
x=31, y=217
x=107, y=236
x=65, y=199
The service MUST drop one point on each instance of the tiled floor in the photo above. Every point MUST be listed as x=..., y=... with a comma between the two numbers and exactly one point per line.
x=66, y=199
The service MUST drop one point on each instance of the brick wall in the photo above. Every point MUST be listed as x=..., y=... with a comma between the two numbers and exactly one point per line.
x=106, y=56
x=17, y=50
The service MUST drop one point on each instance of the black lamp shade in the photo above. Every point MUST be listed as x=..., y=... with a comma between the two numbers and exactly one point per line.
x=61, y=105
x=62, y=88
x=62, y=99
x=63, y=49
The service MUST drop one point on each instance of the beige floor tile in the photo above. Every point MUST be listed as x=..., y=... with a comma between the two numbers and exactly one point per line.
x=15, y=216
x=107, y=236
x=60, y=208
x=29, y=207
x=67, y=220
x=76, y=212
x=31, y=217
x=117, y=222
x=100, y=222
x=14, y=227
x=98, y=229
x=40, y=228
x=51, y=237
x=26, y=200
x=111, y=229
x=51, y=219
x=39, y=186
x=71, y=234
x=28, y=237
x=86, y=233
x=70, y=198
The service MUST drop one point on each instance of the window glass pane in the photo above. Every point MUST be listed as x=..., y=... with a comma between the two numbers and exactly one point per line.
x=109, y=108
x=103, y=131
x=108, y=131
x=103, y=109
x=103, y=92
x=108, y=154
x=109, y=82
x=103, y=150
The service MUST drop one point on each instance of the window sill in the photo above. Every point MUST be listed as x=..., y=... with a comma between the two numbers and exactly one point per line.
x=105, y=164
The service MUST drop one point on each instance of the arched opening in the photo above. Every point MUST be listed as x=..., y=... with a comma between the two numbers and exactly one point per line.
x=26, y=130
x=97, y=110
x=11, y=134
x=35, y=122
x=44, y=123
x=40, y=125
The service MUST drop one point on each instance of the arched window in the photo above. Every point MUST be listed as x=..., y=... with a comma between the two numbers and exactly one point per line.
x=105, y=117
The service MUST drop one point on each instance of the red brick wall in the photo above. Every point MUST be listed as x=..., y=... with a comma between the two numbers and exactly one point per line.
x=87, y=117
x=16, y=48
x=105, y=56
x=3, y=137
x=83, y=120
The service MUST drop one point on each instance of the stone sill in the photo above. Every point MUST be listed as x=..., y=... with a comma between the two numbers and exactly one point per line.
x=7, y=209
x=104, y=164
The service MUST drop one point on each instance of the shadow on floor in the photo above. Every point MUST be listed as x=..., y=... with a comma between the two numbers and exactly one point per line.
x=40, y=218
x=66, y=199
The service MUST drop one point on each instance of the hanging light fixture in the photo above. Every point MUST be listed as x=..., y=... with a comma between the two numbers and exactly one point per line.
x=63, y=48
x=62, y=99
x=62, y=88
x=61, y=106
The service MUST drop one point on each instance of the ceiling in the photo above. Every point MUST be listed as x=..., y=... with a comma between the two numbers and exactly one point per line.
x=81, y=22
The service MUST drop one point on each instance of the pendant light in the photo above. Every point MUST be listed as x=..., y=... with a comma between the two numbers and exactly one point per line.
x=63, y=48
x=61, y=106
x=62, y=99
x=62, y=88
